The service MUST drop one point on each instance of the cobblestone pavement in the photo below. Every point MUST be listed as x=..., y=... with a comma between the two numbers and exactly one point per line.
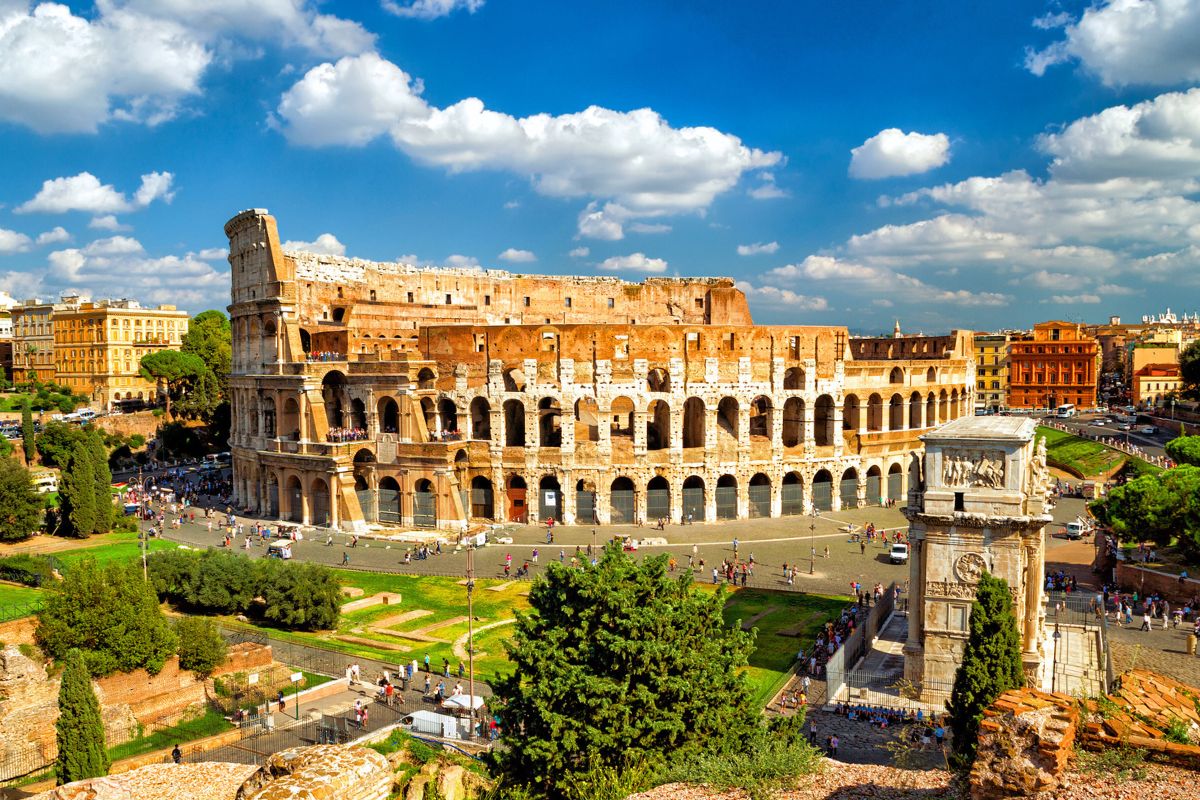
x=863, y=743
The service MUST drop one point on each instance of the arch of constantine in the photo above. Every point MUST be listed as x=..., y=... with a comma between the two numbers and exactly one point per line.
x=382, y=393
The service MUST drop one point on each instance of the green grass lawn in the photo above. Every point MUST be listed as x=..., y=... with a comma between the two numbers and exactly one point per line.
x=791, y=622
x=211, y=723
x=1082, y=455
x=15, y=599
x=122, y=547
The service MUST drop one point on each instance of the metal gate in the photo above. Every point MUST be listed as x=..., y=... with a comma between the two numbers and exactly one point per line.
x=464, y=497
x=874, y=490
x=320, y=509
x=273, y=499
x=389, y=505
x=483, y=502
x=791, y=499
x=726, y=502
x=295, y=505
x=585, y=507
x=658, y=504
x=823, y=496
x=849, y=492
x=693, y=503
x=895, y=486
x=550, y=504
x=760, y=500
x=621, y=507
x=366, y=501
x=424, y=509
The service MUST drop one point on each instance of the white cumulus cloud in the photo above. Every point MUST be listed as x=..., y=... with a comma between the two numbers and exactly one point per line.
x=774, y=297
x=84, y=192
x=634, y=262
x=13, y=241
x=430, y=9
x=325, y=245
x=1146, y=42
x=515, y=256
x=53, y=236
x=892, y=152
x=758, y=249
x=1086, y=298
x=108, y=222
x=580, y=252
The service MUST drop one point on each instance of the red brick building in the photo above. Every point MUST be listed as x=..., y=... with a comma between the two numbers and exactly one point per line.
x=1056, y=364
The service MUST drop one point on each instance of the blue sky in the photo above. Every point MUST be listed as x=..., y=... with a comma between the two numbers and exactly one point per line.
x=948, y=164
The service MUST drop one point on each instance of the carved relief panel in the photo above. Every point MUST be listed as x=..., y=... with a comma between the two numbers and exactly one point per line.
x=971, y=468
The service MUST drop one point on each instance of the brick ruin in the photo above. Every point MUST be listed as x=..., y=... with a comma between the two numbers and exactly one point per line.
x=480, y=395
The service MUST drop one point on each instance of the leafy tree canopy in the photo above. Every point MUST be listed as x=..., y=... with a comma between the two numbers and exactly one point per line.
x=20, y=504
x=201, y=647
x=1184, y=450
x=175, y=370
x=991, y=662
x=56, y=441
x=618, y=663
x=1189, y=370
x=111, y=615
x=1157, y=508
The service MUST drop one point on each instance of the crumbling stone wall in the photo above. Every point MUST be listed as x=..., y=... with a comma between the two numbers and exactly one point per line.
x=1025, y=740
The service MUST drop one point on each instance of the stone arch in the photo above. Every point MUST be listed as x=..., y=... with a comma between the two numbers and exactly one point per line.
x=658, y=380
x=931, y=417
x=514, y=423
x=429, y=414
x=727, y=490
x=943, y=406
x=389, y=415
x=896, y=375
x=621, y=415
x=875, y=413
x=550, y=501
x=848, y=488
x=914, y=411
x=896, y=413
x=389, y=500
x=426, y=378
x=448, y=411
x=693, y=499
x=954, y=411
x=931, y=375
x=587, y=420
x=658, y=499
x=759, y=495
x=823, y=418
x=549, y=422
x=319, y=502
x=424, y=504
x=358, y=414
x=289, y=423
x=483, y=498
x=851, y=411
x=875, y=489
x=895, y=482
x=622, y=501
x=516, y=491
x=727, y=416
x=333, y=392
x=294, y=492
x=481, y=419
x=793, y=379
x=694, y=422
x=514, y=379
x=762, y=417
x=791, y=494
x=658, y=426
x=793, y=422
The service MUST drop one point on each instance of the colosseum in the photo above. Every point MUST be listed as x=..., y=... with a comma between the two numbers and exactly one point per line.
x=386, y=394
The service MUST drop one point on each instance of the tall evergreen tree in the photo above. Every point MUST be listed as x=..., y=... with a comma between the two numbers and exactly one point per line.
x=619, y=663
x=20, y=504
x=28, y=437
x=101, y=483
x=991, y=662
x=77, y=493
x=82, y=752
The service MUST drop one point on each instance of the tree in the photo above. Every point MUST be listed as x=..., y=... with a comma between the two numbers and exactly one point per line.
x=991, y=662
x=82, y=752
x=111, y=615
x=1161, y=508
x=201, y=646
x=77, y=493
x=172, y=369
x=28, y=436
x=56, y=441
x=1185, y=450
x=20, y=504
x=618, y=663
x=1189, y=370
x=102, y=496
x=210, y=337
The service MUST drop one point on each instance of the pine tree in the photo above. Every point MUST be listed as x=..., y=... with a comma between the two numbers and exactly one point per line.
x=81, y=748
x=28, y=437
x=77, y=494
x=991, y=662
x=102, y=483
x=20, y=505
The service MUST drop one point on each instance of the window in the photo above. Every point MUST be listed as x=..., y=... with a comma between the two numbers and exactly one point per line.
x=487, y=299
x=526, y=302
x=339, y=292
x=958, y=502
x=447, y=299
x=700, y=302
x=1055, y=334
x=611, y=302
x=567, y=301
x=410, y=297
x=372, y=295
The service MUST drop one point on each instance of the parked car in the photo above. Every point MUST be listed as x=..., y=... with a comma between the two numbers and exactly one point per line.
x=1149, y=430
x=899, y=553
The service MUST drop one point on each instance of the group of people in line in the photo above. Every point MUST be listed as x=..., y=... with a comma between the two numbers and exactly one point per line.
x=325, y=355
x=347, y=435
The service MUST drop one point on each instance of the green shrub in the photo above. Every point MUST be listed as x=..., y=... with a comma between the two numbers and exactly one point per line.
x=201, y=647
x=1178, y=731
x=26, y=569
x=1118, y=763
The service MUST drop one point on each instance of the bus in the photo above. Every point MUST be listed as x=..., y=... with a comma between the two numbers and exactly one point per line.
x=1065, y=411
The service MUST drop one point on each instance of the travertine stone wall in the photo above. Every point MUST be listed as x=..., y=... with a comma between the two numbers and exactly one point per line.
x=481, y=395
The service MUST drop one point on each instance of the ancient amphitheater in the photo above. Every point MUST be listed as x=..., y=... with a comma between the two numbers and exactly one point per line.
x=384, y=393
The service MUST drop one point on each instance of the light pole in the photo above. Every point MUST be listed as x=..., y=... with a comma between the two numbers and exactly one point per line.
x=812, y=540
x=471, y=634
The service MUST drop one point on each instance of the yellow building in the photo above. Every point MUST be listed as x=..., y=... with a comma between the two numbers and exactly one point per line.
x=33, y=340
x=991, y=371
x=98, y=346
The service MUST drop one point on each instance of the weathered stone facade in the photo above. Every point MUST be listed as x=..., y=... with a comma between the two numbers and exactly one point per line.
x=978, y=502
x=479, y=395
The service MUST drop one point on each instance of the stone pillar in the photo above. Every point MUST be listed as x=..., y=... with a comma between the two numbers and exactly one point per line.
x=860, y=491
x=305, y=505
x=335, y=496
x=776, y=495
x=639, y=433
x=710, y=499
x=863, y=413
x=776, y=430
x=810, y=413
x=498, y=434
x=914, y=651
x=1031, y=656
x=532, y=430
x=567, y=489
x=839, y=441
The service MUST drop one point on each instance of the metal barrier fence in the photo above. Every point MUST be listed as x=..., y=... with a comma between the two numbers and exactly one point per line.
x=1076, y=620
x=890, y=690
x=13, y=611
x=854, y=649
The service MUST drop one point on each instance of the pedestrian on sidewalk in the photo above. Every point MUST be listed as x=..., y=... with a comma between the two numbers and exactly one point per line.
x=833, y=746
x=345, y=559
x=1145, y=620
x=812, y=732
x=862, y=547
x=177, y=755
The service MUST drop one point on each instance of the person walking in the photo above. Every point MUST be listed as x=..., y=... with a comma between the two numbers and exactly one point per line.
x=812, y=732
x=833, y=746
x=177, y=755
x=862, y=547
x=1145, y=620
x=345, y=559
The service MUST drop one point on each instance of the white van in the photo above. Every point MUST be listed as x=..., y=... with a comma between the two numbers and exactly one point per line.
x=899, y=553
x=45, y=482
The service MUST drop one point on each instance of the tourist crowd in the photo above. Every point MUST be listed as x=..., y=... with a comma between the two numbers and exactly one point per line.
x=325, y=355
x=347, y=435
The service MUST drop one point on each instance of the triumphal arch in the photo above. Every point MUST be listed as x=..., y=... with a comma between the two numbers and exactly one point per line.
x=978, y=501
x=384, y=393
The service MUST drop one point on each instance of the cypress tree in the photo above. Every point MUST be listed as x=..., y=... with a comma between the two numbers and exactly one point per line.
x=80, y=729
x=77, y=494
x=28, y=438
x=991, y=662
x=102, y=483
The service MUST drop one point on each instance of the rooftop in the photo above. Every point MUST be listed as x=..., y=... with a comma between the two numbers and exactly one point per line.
x=993, y=427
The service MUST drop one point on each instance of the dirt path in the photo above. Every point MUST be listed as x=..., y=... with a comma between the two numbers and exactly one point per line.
x=460, y=644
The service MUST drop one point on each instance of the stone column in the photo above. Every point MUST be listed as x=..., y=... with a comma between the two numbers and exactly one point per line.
x=567, y=489
x=810, y=413
x=839, y=441
x=497, y=425
x=532, y=430
x=860, y=491
x=914, y=651
x=904, y=418
x=776, y=429
x=335, y=496
x=639, y=433
x=863, y=413
x=1031, y=633
x=305, y=505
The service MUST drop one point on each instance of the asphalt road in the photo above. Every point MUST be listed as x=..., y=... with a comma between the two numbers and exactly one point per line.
x=1151, y=444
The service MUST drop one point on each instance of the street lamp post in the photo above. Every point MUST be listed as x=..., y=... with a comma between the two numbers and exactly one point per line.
x=812, y=541
x=471, y=634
